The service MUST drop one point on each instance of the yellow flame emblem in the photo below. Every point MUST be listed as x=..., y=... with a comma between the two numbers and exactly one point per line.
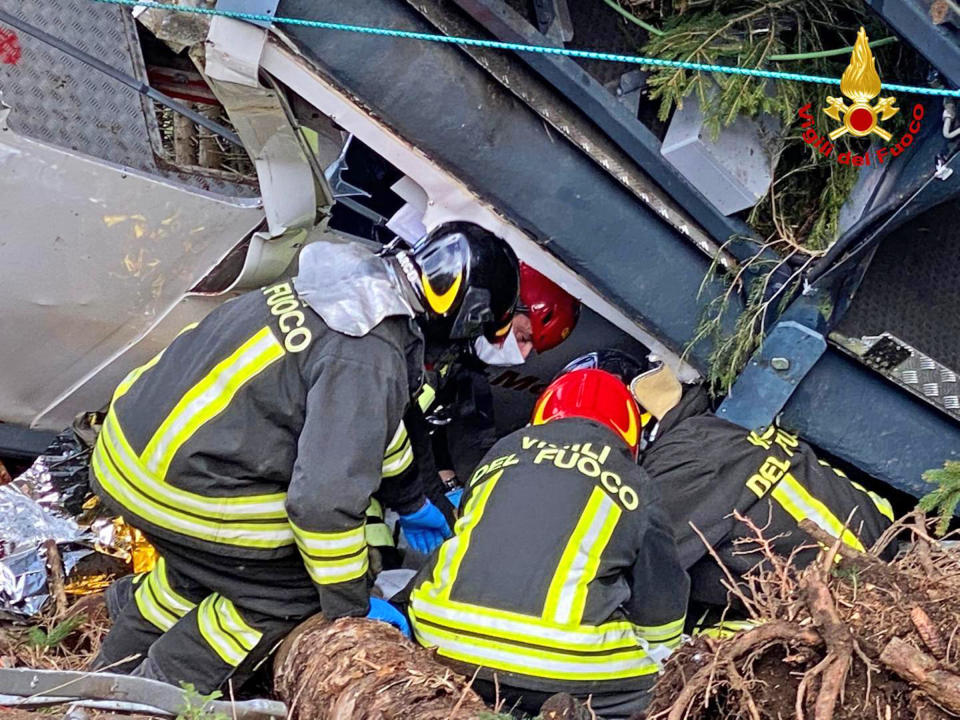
x=632, y=433
x=538, y=418
x=441, y=303
x=860, y=83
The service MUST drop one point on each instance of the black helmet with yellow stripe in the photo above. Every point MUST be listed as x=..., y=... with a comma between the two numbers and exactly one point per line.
x=468, y=283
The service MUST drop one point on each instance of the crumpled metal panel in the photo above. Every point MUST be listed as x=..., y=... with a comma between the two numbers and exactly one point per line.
x=94, y=258
x=59, y=100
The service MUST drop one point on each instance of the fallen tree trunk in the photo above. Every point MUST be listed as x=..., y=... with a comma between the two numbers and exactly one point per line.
x=355, y=669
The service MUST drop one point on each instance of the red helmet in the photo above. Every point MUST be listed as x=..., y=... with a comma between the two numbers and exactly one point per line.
x=595, y=395
x=553, y=312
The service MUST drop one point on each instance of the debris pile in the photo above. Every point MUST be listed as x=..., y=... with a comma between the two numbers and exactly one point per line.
x=849, y=637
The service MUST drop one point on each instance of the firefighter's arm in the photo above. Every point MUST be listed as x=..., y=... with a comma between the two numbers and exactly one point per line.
x=402, y=487
x=353, y=411
x=660, y=586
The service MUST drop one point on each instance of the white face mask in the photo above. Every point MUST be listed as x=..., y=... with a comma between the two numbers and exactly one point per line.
x=506, y=354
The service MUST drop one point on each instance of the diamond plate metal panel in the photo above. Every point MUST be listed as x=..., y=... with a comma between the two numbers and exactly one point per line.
x=59, y=100
x=914, y=371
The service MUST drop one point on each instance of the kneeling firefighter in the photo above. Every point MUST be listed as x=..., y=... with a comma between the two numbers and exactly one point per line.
x=707, y=468
x=562, y=575
x=248, y=450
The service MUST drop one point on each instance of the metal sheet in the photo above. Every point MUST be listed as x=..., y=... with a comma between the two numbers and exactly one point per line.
x=28, y=683
x=60, y=101
x=93, y=255
x=252, y=7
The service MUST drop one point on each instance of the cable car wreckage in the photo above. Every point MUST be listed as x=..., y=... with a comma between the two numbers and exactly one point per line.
x=133, y=245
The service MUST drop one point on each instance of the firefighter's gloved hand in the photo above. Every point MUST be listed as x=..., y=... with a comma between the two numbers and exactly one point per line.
x=385, y=612
x=454, y=497
x=425, y=529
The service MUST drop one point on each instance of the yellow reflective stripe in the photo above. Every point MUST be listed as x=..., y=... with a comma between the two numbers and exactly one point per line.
x=452, y=551
x=377, y=534
x=399, y=438
x=225, y=631
x=567, y=594
x=159, y=603
x=727, y=628
x=800, y=504
x=881, y=503
x=250, y=507
x=398, y=463
x=535, y=661
x=330, y=572
x=135, y=374
x=668, y=633
x=374, y=509
x=145, y=506
x=517, y=627
x=151, y=609
x=329, y=543
x=399, y=453
x=209, y=397
x=425, y=397
x=165, y=593
x=246, y=636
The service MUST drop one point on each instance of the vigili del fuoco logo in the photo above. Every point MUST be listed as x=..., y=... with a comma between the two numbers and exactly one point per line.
x=860, y=84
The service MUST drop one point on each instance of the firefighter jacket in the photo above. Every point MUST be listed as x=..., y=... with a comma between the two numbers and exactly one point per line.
x=261, y=433
x=706, y=468
x=562, y=571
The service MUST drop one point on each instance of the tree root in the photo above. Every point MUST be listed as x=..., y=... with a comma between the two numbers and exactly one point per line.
x=838, y=640
x=774, y=631
x=924, y=672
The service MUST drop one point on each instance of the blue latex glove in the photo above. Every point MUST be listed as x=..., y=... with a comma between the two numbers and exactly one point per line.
x=385, y=612
x=454, y=497
x=425, y=529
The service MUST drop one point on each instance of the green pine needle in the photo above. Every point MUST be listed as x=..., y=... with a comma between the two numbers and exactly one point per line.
x=944, y=500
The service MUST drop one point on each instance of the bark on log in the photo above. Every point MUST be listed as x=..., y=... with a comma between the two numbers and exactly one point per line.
x=928, y=632
x=55, y=578
x=355, y=669
x=923, y=671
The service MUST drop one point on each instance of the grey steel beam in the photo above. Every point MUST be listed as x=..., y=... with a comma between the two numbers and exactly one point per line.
x=612, y=116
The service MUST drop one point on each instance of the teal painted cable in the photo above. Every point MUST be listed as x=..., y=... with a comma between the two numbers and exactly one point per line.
x=517, y=47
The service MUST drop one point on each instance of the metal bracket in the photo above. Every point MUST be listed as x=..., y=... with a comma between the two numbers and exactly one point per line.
x=763, y=388
x=553, y=20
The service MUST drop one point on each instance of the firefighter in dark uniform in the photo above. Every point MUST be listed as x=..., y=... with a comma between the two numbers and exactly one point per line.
x=562, y=575
x=706, y=468
x=248, y=450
